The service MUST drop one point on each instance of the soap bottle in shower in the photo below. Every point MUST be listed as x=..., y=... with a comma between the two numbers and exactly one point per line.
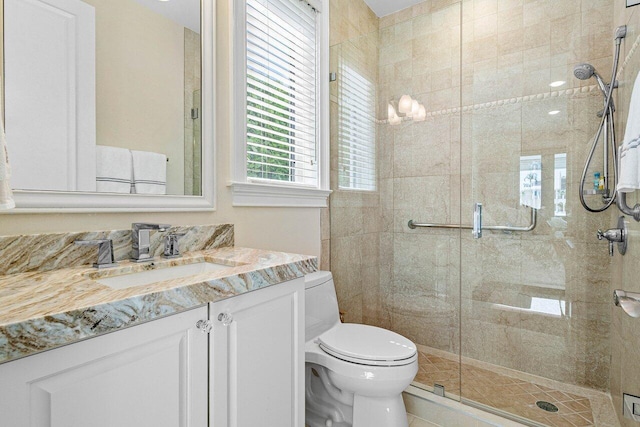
x=596, y=181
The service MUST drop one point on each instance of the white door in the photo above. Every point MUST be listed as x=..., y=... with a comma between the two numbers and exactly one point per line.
x=50, y=94
x=257, y=358
x=154, y=374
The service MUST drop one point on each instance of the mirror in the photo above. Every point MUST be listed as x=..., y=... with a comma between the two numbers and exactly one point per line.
x=105, y=105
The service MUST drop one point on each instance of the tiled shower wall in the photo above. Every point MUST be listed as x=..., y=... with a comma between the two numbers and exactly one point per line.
x=482, y=68
x=192, y=128
x=625, y=338
x=350, y=245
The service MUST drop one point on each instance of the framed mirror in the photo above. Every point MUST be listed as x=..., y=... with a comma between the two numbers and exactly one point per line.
x=108, y=104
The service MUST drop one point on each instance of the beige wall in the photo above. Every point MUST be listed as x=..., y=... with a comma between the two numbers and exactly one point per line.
x=140, y=83
x=625, y=338
x=292, y=230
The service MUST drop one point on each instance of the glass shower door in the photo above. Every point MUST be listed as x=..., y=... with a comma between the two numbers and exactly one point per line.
x=420, y=181
x=534, y=318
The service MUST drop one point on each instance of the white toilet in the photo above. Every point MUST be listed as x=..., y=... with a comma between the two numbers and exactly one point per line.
x=355, y=374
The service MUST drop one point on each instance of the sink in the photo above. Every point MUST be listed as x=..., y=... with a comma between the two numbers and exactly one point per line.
x=147, y=277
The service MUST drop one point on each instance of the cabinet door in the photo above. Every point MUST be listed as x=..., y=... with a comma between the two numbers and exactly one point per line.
x=154, y=374
x=257, y=363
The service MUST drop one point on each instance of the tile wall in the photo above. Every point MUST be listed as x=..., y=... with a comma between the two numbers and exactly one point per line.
x=192, y=128
x=351, y=228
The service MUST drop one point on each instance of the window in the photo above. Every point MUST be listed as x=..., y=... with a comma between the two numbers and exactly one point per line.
x=278, y=136
x=356, y=122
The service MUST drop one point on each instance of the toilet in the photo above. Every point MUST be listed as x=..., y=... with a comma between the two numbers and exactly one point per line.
x=354, y=374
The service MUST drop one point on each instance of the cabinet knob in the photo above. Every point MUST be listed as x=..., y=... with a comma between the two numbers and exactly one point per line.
x=205, y=326
x=225, y=318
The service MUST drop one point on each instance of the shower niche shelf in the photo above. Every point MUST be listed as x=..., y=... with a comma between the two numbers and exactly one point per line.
x=594, y=192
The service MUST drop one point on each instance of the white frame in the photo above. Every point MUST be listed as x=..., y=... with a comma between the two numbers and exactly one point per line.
x=251, y=193
x=53, y=201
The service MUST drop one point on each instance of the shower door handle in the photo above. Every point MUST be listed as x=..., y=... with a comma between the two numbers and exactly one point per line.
x=477, y=221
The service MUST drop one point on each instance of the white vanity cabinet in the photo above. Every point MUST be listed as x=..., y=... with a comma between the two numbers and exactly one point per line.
x=154, y=374
x=257, y=358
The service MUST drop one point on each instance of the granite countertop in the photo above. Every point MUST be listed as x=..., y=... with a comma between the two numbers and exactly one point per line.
x=43, y=310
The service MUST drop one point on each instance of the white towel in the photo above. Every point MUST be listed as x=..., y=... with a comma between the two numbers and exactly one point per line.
x=6, y=195
x=149, y=172
x=113, y=169
x=628, y=171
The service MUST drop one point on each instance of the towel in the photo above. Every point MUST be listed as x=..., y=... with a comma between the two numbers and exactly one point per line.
x=6, y=195
x=628, y=171
x=113, y=169
x=149, y=172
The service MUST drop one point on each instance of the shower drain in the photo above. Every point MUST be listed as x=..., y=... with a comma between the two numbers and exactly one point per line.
x=549, y=407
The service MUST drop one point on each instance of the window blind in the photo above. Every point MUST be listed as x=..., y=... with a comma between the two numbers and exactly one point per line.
x=281, y=52
x=356, y=122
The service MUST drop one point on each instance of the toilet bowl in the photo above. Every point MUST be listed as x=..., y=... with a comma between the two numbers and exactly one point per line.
x=354, y=374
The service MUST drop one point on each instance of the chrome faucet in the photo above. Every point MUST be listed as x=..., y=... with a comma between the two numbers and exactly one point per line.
x=141, y=242
x=105, y=252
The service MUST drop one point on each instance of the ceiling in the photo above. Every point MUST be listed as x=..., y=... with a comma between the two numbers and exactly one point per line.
x=386, y=7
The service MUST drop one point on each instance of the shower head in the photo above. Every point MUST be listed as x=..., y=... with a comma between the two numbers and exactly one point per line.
x=585, y=71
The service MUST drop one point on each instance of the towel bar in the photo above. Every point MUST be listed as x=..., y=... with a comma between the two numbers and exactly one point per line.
x=626, y=209
x=532, y=225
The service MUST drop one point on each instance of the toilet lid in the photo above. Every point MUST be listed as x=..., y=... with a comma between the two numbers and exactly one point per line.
x=367, y=345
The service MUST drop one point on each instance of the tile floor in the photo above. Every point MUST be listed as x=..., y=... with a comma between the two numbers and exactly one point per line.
x=504, y=392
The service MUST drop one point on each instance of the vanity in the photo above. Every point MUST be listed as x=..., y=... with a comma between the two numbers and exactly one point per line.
x=223, y=346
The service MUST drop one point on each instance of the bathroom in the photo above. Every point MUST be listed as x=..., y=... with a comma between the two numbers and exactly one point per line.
x=524, y=308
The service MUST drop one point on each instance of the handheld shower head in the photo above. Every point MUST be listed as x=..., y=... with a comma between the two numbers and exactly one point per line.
x=585, y=71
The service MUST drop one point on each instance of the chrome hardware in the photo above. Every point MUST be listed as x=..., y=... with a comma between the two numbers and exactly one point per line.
x=626, y=209
x=628, y=301
x=506, y=228
x=205, y=326
x=195, y=113
x=477, y=221
x=225, y=318
x=332, y=77
x=105, y=252
x=438, y=390
x=171, y=247
x=141, y=240
x=618, y=235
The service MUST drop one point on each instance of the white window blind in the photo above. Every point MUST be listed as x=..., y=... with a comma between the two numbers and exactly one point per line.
x=356, y=122
x=282, y=108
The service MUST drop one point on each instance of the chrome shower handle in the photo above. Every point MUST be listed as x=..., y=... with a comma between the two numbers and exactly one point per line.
x=477, y=221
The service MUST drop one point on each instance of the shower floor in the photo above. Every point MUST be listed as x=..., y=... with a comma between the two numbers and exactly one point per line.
x=513, y=392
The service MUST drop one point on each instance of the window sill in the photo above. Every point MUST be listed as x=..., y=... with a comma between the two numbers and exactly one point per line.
x=253, y=194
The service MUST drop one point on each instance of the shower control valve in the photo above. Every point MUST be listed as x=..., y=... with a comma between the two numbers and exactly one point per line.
x=615, y=235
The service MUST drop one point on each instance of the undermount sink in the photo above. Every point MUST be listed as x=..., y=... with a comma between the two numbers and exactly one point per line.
x=160, y=274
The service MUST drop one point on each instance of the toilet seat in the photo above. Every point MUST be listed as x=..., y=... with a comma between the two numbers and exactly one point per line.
x=367, y=345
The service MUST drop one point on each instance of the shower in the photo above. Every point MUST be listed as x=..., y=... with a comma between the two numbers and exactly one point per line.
x=606, y=129
x=494, y=317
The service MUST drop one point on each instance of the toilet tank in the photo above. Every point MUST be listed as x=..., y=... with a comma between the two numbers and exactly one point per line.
x=320, y=304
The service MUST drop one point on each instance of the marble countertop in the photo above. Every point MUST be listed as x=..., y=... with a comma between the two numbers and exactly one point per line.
x=43, y=310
